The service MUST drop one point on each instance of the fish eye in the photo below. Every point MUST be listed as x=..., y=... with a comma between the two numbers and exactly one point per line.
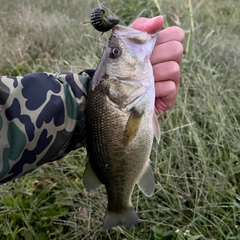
x=115, y=52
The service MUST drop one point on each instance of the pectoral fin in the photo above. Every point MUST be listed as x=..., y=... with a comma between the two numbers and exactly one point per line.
x=146, y=182
x=156, y=128
x=132, y=126
x=90, y=180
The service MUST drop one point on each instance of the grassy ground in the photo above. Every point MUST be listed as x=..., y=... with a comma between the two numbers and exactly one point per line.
x=197, y=166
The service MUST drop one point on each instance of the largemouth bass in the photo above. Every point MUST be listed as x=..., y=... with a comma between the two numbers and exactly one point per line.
x=121, y=123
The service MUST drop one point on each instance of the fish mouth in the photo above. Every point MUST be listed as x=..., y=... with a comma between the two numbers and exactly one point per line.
x=130, y=82
x=132, y=34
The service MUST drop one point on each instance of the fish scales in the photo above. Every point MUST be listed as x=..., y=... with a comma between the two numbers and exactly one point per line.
x=120, y=127
x=116, y=174
x=98, y=132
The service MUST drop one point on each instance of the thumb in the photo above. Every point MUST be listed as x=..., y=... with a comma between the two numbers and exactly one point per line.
x=149, y=25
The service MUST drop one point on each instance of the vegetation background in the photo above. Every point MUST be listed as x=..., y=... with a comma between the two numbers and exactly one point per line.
x=196, y=165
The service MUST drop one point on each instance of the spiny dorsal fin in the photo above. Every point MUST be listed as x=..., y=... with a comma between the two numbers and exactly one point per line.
x=146, y=182
x=90, y=180
x=156, y=128
x=132, y=126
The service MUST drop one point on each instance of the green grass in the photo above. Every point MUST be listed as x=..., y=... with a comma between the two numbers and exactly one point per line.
x=196, y=165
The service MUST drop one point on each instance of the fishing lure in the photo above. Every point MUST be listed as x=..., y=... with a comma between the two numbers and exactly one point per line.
x=100, y=21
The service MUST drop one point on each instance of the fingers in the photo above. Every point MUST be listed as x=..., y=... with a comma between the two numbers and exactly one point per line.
x=152, y=25
x=167, y=71
x=149, y=25
x=167, y=80
x=166, y=95
x=168, y=46
x=169, y=51
x=170, y=34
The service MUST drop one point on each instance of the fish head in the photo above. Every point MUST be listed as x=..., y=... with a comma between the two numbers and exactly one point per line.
x=126, y=57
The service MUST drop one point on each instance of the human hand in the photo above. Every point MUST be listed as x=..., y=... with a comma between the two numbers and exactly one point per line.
x=166, y=58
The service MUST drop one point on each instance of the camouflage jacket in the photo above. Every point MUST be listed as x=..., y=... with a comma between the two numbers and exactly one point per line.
x=41, y=119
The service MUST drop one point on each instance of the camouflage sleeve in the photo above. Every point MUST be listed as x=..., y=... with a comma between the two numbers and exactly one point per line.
x=41, y=119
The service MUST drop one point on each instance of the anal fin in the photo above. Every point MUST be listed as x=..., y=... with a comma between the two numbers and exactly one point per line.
x=146, y=182
x=90, y=180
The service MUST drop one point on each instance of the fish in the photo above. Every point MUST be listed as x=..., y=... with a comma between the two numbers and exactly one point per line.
x=121, y=124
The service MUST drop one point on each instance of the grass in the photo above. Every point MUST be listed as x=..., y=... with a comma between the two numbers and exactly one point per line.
x=196, y=165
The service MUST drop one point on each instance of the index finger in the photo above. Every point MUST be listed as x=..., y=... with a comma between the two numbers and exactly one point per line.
x=149, y=25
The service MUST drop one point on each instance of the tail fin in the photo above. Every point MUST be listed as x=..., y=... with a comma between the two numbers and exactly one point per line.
x=128, y=218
